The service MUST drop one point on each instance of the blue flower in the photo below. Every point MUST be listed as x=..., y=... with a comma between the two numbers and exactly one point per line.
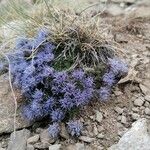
x=54, y=130
x=104, y=93
x=75, y=128
x=57, y=115
x=109, y=78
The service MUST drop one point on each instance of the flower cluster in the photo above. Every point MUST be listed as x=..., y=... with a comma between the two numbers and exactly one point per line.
x=116, y=70
x=54, y=94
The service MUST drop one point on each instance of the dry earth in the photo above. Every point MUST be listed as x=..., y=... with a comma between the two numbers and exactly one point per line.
x=106, y=122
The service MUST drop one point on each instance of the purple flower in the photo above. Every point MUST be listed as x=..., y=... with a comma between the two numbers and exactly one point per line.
x=75, y=128
x=104, y=93
x=48, y=105
x=57, y=115
x=109, y=78
x=78, y=74
x=88, y=82
x=54, y=130
x=66, y=103
x=38, y=95
x=118, y=67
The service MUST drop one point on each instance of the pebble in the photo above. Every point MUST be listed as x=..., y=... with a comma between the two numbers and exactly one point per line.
x=95, y=130
x=118, y=110
x=55, y=147
x=135, y=109
x=135, y=116
x=19, y=142
x=99, y=116
x=147, y=98
x=86, y=139
x=100, y=128
x=64, y=132
x=77, y=146
x=33, y=139
x=146, y=104
x=100, y=136
x=123, y=120
x=147, y=111
x=119, y=118
x=138, y=102
x=45, y=138
x=41, y=145
x=30, y=147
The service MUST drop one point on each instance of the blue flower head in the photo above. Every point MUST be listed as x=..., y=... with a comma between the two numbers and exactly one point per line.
x=75, y=128
x=54, y=130
x=57, y=115
x=118, y=67
x=78, y=74
x=104, y=93
x=109, y=78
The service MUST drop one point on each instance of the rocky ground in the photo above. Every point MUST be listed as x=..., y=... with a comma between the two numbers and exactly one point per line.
x=107, y=125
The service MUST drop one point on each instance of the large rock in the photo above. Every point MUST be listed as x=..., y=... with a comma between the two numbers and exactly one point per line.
x=137, y=138
x=7, y=108
x=18, y=141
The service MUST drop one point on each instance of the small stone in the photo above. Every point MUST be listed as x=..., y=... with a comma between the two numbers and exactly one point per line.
x=100, y=136
x=64, y=132
x=41, y=145
x=45, y=138
x=118, y=110
x=19, y=142
x=135, y=109
x=33, y=139
x=138, y=102
x=146, y=104
x=77, y=146
x=118, y=93
x=30, y=147
x=95, y=130
x=86, y=139
x=147, y=111
x=99, y=116
x=123, y=120
x=119, y=118
x=100, y=129
x=147, y=98
x=55, y=147
x=135, y=116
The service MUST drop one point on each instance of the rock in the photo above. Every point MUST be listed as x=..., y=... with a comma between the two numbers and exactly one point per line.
x=137, y=138
x=41, y=145
x=7, y=109
x=120, y=38
x=135, y=116
x=64, y=132
x=138, y=102
x=33, y=139
x=100, y=136
x=86, y=139
x=144, y=88
x=55, y=147
x=125, y=1
x=123, y=120
x=147, y=111
x=135, y=109
x=114, y=10
x=18, y=141
x=77, y=146
x=98, y=116
x=147, y=98
x=45, y=138
x=118, y=110
x=30, y=147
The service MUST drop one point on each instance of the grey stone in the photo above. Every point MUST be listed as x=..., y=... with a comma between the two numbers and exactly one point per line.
x=137, y=138
x=33, y=139
x=7, y=109
x=138, y=102
x=114, y=10
x=147, y=98
x=147, y=111
x=30, y=147
x=55, y=147
x=41, y=145
x=118, y=110
x=100, y=136
x=135, y=116
x=64, y=132
x=77, y=146
x=123, y=120
x=45, y=138
x=18, y=141
x=98, y=116
x=86, y=139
